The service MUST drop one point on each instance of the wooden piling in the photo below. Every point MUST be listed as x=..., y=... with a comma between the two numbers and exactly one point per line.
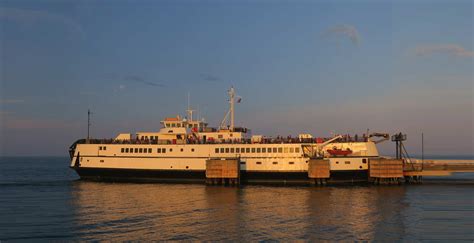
x=385, y=171
x=223, y=171
x=318, y=171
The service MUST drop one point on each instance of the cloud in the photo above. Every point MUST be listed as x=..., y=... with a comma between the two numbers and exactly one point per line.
x=138, y=79
x=11, y=101
x=35, y=16
x=450, y=49
x=344, y=30
x=210, y=78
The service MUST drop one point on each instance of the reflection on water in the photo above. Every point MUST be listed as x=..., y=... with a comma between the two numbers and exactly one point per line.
x=41, y=200
x=161, y=211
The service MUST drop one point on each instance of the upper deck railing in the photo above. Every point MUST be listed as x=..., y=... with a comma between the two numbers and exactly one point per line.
x=277, y=140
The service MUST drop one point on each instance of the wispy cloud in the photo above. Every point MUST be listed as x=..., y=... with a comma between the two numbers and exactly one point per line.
x=138, y=79
x=210, y=78
x=11, y=101
x=450, y=49
x=348, y=31
x=36, y=16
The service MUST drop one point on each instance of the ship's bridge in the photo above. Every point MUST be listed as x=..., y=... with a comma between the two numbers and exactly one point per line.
x=177, y=122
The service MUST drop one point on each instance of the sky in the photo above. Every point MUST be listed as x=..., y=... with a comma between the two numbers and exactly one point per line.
x=318, y=67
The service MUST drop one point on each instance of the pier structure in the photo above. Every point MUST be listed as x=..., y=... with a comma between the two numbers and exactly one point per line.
x=318, y=171
x=223, y=172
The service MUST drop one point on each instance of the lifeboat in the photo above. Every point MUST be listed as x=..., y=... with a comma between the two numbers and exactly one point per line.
x=339, y=152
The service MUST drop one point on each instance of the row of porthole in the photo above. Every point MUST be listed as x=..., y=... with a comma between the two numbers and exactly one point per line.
x=274, y=162
x=147, y=150
x=364, y=161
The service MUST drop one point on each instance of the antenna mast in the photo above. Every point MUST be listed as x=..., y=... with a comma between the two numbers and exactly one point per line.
x=231, y=101
x=189, y=110
x=88, y=125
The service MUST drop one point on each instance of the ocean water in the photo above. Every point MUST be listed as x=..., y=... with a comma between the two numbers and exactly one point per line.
x=41, y=199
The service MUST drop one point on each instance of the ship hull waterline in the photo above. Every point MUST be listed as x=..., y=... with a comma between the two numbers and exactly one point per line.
x=199, y=176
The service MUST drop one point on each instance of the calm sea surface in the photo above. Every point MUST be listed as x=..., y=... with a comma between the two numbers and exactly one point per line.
x=42, y=199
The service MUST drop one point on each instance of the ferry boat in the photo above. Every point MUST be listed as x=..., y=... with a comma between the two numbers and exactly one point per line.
x=178, y=152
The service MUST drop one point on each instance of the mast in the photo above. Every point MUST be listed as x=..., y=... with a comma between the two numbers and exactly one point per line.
x=231, y=101
x=88, y=125
x=189, y=110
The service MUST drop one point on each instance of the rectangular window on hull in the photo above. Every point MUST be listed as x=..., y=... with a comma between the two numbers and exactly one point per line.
x=253, y=150
x=122, y=150
x=280, y=150
x=264, y=150
x=126, y=150
x=247, y=150
x=222, y=150
x=232, y=150
x=292, y=150
x=158, y=150
x=227, y=150
x=217, y=150
x=140, y=150
x=285, y=150
x=297, y=150
x=274, y=150
x=163, y=150
x=259, y=150
x=242, y=150
x=237, y=150
x=136, y=150
x=149, y=150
